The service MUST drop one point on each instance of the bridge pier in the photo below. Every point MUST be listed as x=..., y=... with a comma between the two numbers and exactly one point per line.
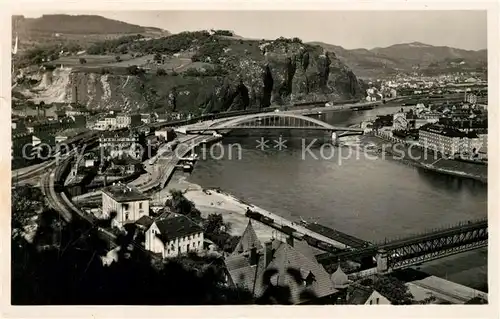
x=334, y=138
x=381, y=258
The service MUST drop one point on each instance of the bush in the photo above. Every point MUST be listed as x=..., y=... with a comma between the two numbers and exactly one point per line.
x=41, y=53
x=134, y=70
x=161, y=72
x=157, y=58
x=118, y=58
x=211, y=71
x=212, y=50
x=119, y=45
x=105, y=71
x=82, y=61
x=224, y=32
x=49, y=67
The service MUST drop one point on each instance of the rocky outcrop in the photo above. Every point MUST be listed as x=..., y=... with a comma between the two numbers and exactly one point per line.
x=106, y=91
x=304, y=73
x=273, y=73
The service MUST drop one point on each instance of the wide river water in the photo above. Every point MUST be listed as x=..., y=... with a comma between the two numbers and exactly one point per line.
x=369, y=198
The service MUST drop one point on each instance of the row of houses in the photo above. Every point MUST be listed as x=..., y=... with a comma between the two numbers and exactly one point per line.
x=451, y=141
x=112, y=121
x=25, y=143
x=46, y=125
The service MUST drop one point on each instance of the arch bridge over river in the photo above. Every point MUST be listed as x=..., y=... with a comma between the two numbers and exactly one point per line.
x=275, y=120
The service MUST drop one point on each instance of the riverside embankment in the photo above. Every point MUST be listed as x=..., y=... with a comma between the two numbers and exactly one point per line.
x=401, y=150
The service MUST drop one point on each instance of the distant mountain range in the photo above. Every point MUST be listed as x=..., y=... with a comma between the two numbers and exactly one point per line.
x=76, y=24
x=407, y=57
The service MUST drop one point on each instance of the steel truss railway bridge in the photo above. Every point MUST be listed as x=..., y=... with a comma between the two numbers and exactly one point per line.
x=406, y=252
x=276, y=120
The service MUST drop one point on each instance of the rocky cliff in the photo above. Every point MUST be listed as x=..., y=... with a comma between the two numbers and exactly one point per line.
x=283, y=72
x=225, y=74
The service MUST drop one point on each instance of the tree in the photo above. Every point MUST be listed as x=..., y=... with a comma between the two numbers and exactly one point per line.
x=105, y=71
x=476, y=301
x=393, y=289
x=181, y=205
x=134, y=70
x=157, y=58
x=82, y=61
x=214, y=224
x=161, y=72
x=118, y=58
x=26, y=202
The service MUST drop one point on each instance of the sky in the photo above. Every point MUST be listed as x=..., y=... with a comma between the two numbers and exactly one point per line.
x=464, y=29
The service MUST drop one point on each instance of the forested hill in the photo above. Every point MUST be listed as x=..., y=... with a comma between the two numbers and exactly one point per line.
x=75, y=24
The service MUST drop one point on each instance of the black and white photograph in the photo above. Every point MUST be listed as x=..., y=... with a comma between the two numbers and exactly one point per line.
x=249, y=157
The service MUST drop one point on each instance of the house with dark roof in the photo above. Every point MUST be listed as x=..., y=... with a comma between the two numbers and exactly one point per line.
x=248, y=240
x=127, y=201
x=144, y=222
x=362, y=295
x=247, y=265
x=173, y=234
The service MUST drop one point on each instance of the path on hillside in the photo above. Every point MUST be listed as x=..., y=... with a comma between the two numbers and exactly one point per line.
x=186, y=63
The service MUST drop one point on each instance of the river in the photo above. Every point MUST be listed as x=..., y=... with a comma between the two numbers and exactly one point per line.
x=372, y=199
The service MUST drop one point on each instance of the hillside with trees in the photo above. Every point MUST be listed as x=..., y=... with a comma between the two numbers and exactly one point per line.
x=75, y=24
x=208, y=73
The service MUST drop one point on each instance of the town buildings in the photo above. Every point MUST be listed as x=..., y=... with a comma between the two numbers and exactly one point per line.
x=146, y=118
x=166, y=134
x=38, y=136
x=172, y=234
x=448, y=141
x=126, y=201
x=470, y=98
x=21, y=145
x=112, y=121
x=399, y=121
x=127, y=120
x=372, y=94
x=48, y=126
x=117, y=144
x=75, y=112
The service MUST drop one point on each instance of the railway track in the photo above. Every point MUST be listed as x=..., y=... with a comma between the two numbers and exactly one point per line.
x=51, y=184
x=33, y=173
x=166, y=170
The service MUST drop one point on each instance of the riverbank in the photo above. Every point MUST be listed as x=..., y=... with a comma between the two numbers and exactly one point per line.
x=419, y=159
x=211, y=201
x=233, y=210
